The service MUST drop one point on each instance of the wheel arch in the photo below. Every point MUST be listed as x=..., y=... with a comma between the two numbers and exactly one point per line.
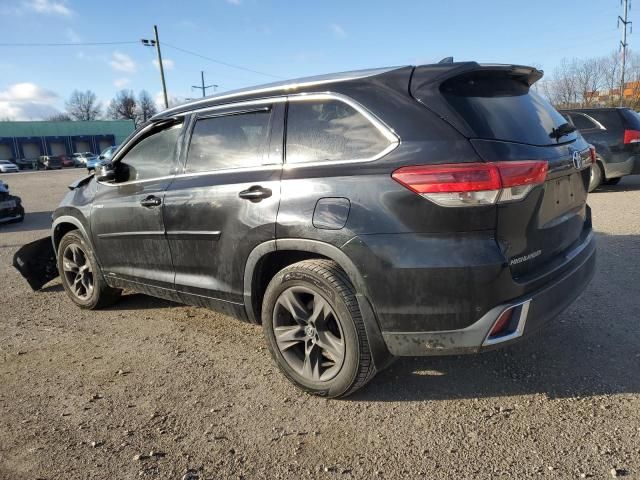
x=294, y=250
x=64, y=224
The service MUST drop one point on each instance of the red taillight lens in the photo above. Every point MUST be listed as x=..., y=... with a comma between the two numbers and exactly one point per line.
x=464, y=184
x=460, y=177
x=502, y=323
x=631, y=136
x=528, y=172
x=592, y=153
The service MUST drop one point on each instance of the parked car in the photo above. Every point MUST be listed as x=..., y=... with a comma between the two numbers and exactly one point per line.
x=11, y=209
x=82, y=158
x=27, y=163
x=67, y=161
x=49, y=162
x=615, y=133
x=430, y=210
x=102, y=159
x=7, y=167
x=93, y=163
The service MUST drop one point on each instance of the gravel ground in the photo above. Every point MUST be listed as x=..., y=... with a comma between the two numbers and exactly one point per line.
x=152, y=389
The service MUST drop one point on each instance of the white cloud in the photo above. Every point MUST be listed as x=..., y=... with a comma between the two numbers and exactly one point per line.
x=167, y=63
x=122, y=62
x=27, y=101
x=121, y=82
x=338, y=31
x=56, y=7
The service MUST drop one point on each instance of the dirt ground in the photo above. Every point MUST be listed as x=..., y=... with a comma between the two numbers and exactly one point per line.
x=152, y=389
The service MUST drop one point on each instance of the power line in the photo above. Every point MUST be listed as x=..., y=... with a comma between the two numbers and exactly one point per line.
x=73, y=44
x=231, y=65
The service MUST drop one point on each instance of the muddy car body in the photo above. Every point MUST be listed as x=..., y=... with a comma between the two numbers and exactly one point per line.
x=421, y=210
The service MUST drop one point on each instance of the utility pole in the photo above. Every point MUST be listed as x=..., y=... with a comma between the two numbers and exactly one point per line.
x=204, y=87
x=156, y=43
x=623, y=43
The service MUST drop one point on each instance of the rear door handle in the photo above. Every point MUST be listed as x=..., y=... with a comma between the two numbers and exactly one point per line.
x=151, y=201
x=255, y=193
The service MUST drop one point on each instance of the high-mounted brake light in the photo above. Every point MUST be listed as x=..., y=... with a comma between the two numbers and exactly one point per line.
x=469, y=184
x=631, y=136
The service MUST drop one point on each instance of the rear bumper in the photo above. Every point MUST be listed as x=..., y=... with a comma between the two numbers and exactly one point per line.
x=540, y=307
x=627, y=166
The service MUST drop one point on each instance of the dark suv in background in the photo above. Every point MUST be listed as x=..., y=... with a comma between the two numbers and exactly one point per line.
x=615, y=133
x=402, y=211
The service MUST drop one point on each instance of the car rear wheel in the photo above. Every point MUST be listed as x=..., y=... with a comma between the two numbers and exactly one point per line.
x=315, y=331
x=596, y=176
x=80, y=274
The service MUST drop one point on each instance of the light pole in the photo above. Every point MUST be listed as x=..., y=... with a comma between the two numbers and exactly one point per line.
x=156, y=43
x=204, y=87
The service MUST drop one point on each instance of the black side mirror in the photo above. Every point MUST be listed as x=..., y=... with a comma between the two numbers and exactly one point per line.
x=101, y=157
x=105, y=173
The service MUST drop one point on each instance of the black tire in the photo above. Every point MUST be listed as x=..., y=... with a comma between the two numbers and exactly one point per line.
x=612, y=181
x=322, y=281
x=99, y=295
x=596, y=176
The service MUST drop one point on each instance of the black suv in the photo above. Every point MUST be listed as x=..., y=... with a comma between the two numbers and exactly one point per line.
x=360, y=216
x=615, y=133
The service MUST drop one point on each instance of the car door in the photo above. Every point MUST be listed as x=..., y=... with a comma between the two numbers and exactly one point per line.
x=126, y=218
x=226, y=201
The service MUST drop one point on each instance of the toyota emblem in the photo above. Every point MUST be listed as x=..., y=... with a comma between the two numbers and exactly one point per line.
x=577, y=160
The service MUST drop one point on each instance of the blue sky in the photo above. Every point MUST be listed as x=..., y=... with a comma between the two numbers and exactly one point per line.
x=283, y=39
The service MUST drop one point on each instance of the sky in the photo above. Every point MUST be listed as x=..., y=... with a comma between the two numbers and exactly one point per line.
x=272, y=40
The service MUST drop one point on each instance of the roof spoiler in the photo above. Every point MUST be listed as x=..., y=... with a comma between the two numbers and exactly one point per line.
x=430, y=76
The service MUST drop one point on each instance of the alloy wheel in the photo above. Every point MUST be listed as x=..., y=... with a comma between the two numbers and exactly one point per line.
x=77, y=271
x=308, y=334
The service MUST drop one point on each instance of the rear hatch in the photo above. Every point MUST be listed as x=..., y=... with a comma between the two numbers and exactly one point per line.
x=496, y=107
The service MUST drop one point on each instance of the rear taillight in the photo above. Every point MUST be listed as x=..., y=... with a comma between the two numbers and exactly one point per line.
x=469, y=184
x=631, y=136
x=592, y=154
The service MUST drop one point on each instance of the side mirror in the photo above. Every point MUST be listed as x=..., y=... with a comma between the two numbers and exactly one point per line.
x=101, y=157
x=105, y=173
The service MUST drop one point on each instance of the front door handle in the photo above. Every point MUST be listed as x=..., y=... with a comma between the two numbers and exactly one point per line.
x=151, y=201
x=255, y=193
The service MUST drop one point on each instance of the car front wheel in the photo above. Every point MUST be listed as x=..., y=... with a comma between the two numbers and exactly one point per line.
x=80, y=274
x=315, y=331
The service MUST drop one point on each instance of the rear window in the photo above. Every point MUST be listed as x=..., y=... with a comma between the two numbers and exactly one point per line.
x=500, y=107
x=610, y=119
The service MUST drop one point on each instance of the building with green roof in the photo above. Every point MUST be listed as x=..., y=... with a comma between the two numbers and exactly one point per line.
x=29, y=140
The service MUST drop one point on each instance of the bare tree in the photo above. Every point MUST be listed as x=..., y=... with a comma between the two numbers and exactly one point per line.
x=60, y=117
x=146, y=107
x=83, y=106
x=123, y=106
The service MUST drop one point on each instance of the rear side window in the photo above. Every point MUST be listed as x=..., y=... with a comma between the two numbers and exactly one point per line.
x=228, y=141
x=610, y=119
x=329, y=131
x=581, y=122
x=498, y=106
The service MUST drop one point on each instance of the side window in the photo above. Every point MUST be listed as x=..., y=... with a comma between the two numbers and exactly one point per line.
x=228, y=141
x=330, y=130
x=582, y=122
x=153, y=156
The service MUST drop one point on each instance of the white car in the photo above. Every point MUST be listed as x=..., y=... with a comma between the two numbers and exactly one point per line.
x=7, y=167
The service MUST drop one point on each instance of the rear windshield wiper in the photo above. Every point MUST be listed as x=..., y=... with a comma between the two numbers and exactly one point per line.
x=562, y=130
